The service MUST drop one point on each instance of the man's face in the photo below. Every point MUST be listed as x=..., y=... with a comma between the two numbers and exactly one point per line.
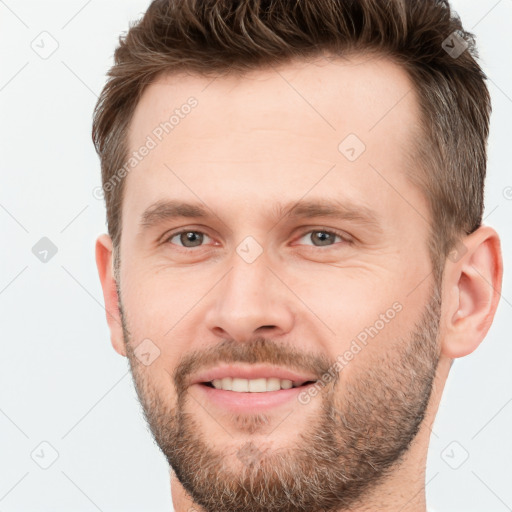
x=252, y=292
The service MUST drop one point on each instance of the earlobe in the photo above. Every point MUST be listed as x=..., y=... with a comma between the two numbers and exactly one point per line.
x=105, y=270
x=472, y=291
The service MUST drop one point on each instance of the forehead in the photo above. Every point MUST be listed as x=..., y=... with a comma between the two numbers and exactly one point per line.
x=361, y=93
x=275, y=130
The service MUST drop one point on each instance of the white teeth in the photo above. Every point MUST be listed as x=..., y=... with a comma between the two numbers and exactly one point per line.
x=252, y=385
x=273, y=384
x=257, y=385
x=240, y=385
x=227, y=383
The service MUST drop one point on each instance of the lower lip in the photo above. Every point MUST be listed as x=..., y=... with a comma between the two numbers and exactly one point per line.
x=250, y=402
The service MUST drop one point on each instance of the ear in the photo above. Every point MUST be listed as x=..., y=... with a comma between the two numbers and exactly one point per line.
x=104, y=262
x=472, y=287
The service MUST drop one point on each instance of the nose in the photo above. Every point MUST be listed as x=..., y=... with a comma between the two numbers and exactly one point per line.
x=250, y=301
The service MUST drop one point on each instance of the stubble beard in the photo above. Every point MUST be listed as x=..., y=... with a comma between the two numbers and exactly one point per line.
x=358, y=436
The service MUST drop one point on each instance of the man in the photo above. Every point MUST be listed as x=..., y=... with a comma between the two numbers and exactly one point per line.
x=295, y=256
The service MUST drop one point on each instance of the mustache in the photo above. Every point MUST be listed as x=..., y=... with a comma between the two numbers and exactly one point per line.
x=258, y=350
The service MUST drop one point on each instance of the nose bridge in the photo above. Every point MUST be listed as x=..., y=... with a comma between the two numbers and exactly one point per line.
x=248, y=283
x=249, y=297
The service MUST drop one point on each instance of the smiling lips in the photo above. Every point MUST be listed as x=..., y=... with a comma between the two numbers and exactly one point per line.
x=252, y=379
x=250, y=388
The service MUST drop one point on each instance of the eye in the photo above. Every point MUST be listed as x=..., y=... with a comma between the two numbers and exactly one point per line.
x=189, y=238
x=323, y=237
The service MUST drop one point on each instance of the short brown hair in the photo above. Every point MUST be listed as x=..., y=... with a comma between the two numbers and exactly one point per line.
x=233, y=36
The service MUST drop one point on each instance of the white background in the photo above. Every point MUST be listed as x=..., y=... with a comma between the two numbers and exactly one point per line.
x=60, y=380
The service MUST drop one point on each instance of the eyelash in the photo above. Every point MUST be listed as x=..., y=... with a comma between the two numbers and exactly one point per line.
x=343, y=237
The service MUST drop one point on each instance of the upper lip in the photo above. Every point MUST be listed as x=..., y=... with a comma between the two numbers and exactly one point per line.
x=252, y=371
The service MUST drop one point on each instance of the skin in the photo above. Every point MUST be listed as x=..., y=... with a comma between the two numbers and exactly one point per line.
x=252, y=142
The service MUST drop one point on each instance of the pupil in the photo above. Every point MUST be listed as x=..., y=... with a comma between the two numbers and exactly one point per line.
x=190, y=238
x=324, y=237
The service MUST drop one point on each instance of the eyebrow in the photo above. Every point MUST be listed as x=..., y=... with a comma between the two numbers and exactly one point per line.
x=166, y=210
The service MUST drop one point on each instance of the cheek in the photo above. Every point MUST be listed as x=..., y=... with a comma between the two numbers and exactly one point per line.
x=366, y=323
x=151, y=299
x=155, y=316
x=346, y=299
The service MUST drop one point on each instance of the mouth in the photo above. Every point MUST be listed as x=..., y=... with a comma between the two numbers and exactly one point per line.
x=260, y=385
x=251, y=396
x=243, y=388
